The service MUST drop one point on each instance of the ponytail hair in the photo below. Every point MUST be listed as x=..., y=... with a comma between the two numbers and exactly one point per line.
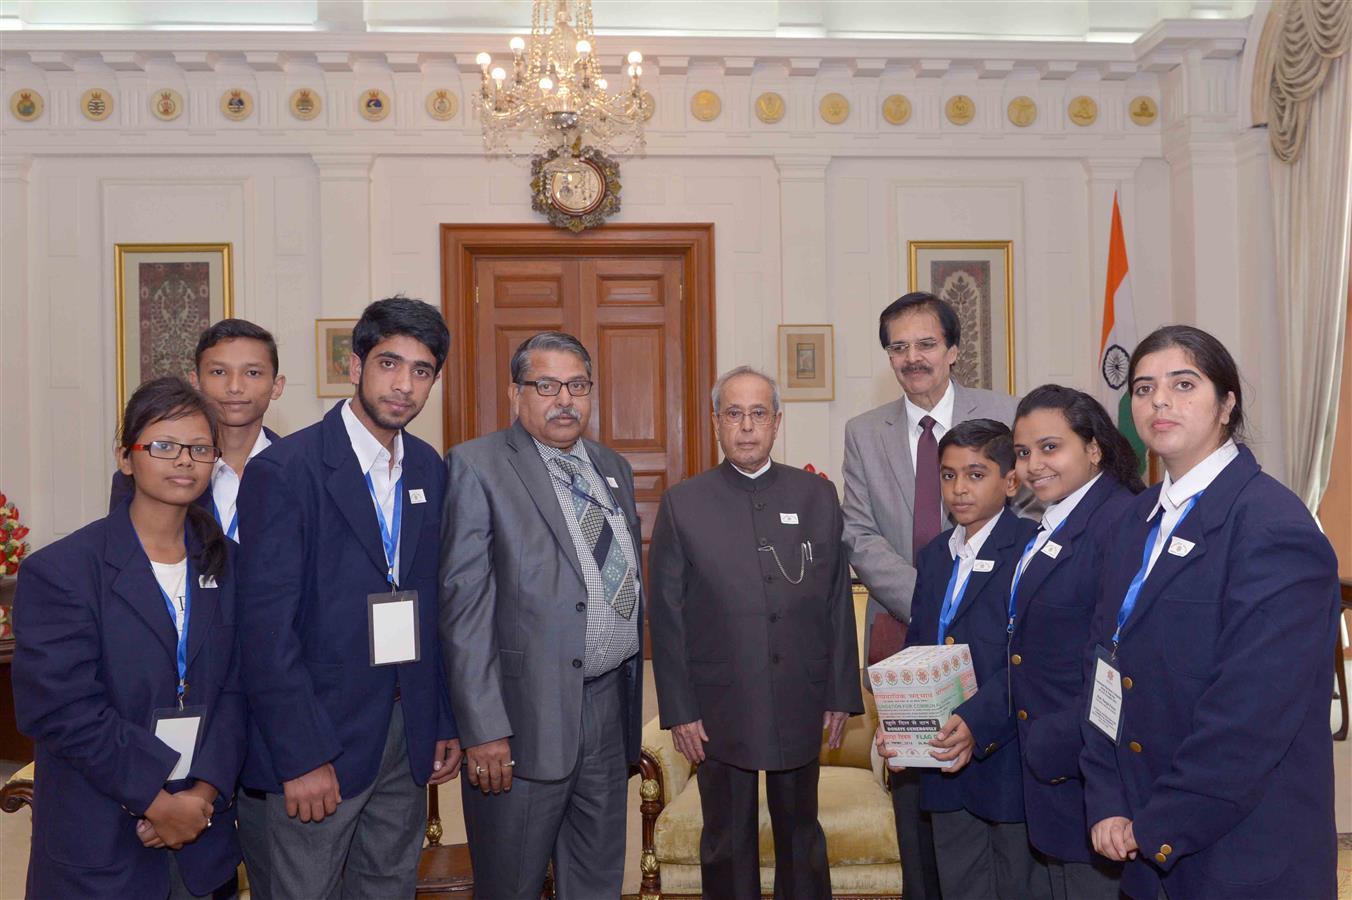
x=1088, y=419
x=165, y=400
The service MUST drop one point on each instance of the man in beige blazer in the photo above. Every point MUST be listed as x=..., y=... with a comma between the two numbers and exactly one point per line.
x=890, y=513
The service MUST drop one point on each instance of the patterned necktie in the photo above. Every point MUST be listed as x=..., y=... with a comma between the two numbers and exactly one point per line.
x=620, y=588
x=926, y=521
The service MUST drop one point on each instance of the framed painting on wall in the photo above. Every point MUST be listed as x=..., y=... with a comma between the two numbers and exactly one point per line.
x=807, y=362
x=166, y=295
x=977, y=279
x=333, y=348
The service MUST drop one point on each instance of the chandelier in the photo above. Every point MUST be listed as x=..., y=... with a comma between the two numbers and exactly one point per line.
x=555, y=90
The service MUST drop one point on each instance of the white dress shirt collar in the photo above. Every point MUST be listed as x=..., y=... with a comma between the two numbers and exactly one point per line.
x=1174, y=495
x=369, y=450
x=942, y=413
x=756, y=474
x=968, y=548
x=1059, y=511
x=262, y=443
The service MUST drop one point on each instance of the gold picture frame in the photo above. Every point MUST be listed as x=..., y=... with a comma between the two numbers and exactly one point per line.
x=160, y=309
x=333, y=347
x=807, y=362
x=967, y=275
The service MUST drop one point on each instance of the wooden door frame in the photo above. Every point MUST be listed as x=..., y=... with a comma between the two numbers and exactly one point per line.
x=693, y=242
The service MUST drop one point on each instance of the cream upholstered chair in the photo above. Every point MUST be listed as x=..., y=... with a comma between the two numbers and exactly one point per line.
x=853, y=807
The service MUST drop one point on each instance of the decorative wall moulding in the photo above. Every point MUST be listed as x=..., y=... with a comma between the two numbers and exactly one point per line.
x=1144, y=110
x=897, y=109
x=769, y=107
x=1082, y=111
x=166, y=104
x=960, y=109
x=374, y=105
x=705, y=106
x=1022, y=111
x=442, y=104
x=96, y=104
x=25, y=104
x=305, y=104
x=237, y=104
x=834, y=109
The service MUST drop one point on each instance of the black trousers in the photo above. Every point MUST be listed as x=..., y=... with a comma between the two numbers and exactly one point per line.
x=729, y=853
x=915, y=838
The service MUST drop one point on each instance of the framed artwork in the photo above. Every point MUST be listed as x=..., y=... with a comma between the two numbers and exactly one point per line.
x=977, y=278
x=333, y=348
x=807, y=362
x=166, y=294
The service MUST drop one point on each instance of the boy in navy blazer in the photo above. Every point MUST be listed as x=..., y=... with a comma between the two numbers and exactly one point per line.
x=962, y=588
x=348, y=705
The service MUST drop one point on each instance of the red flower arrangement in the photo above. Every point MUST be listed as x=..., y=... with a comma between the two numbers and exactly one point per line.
x=813, y=469
x=13, y=547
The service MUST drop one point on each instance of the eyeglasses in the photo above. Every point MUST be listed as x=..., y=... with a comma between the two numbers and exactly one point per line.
x=548, y=387
x=901, y=348
x=760, y=416
x=203, y=453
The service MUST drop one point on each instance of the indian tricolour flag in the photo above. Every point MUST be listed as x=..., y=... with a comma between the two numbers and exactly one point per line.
x=1119, y=336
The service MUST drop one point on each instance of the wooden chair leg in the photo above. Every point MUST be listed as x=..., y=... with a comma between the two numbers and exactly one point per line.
x=651, y=797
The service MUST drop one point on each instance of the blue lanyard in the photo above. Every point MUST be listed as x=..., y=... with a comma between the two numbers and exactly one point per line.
x=181, y=656
x=233, y=528
x=389, y=536
x=1018, y=574
x=1134, y=589
x=951, y=602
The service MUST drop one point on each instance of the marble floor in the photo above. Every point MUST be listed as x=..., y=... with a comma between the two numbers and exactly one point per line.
x=14, y=829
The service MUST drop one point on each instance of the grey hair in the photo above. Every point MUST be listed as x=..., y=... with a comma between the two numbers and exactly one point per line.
x=716, y=396
x=547, y=340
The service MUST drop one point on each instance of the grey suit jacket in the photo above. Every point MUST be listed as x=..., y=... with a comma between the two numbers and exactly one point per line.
x=513, y=603
x=880, y=494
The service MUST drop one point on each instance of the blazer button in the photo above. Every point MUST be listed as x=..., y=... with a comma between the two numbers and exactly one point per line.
x=581, y=607
x=577, y=664
x=1023, y=715
x=1016, y=659
x=763, y=541
x=1135, y=747
x=1127, y=682
x=1161, y=858
x=949, y=639
x=775, y=659
x=1061, y=780
x=769, y=578
x=1166, y=849
x=991, y=748
x=774, y=617
x=759, y=505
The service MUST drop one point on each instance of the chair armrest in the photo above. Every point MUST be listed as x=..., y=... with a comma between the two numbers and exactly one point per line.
x=18, y=791
x=673, y=768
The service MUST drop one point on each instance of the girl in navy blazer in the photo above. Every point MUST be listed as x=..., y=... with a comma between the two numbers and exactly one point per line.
x=125, y=627
x=1217, y=623
x=1084, y=473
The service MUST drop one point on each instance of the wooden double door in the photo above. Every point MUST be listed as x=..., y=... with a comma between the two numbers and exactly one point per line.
x=640, y=298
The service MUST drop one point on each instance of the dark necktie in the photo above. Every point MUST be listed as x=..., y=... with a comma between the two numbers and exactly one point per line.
x=926, y=521
x=620, y=588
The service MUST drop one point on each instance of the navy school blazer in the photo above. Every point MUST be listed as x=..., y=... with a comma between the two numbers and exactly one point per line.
x=1055, y=612
x=122, y=488
x=989, y=786
x=1224, y=763
x=94, y=657
x=311, y=555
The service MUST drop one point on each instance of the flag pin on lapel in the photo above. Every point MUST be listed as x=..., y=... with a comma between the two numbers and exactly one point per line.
x=1180, y=547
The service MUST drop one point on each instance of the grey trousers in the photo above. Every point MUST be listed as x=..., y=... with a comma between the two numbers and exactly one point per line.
x=980, y=860
x=1084, y=881
x=579, y=821
x=252, y=807
x=368, y=848
x=915, y=837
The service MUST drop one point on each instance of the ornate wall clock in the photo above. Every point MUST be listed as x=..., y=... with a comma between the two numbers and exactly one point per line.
x=575, y=189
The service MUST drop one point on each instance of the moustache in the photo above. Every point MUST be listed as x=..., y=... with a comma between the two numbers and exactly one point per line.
x=916, y=369
x=564, y=412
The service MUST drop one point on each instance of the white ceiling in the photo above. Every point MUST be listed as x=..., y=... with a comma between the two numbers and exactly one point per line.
x=1066, y=20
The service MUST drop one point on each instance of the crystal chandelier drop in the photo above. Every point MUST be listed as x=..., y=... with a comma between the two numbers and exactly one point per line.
x=555, y=90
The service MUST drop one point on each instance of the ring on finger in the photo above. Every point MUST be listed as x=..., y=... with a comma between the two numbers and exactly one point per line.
x=478, y=770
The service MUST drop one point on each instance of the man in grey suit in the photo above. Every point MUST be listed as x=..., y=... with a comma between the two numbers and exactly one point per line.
x=892, y=507
x=542, y=631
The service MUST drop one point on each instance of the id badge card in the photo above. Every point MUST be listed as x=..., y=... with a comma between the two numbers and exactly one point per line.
x=393, y=620
x=181, y=731
x=1105, y=702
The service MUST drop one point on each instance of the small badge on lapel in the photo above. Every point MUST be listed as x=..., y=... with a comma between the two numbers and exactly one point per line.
x=612, y=482
x=1180, y=547
x=788, y=518
x=416, y=495
x=983, y=565
x=206, y=581
x=1052, y=549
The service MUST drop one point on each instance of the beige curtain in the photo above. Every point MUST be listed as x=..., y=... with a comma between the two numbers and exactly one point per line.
x=1309, y=92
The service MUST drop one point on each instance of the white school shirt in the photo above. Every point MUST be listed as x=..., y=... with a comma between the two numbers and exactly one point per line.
x=374, y=460
x=1174, y=495
x=225, y=483
x=1057, y=513
x=942, y=415
x=965, y=549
